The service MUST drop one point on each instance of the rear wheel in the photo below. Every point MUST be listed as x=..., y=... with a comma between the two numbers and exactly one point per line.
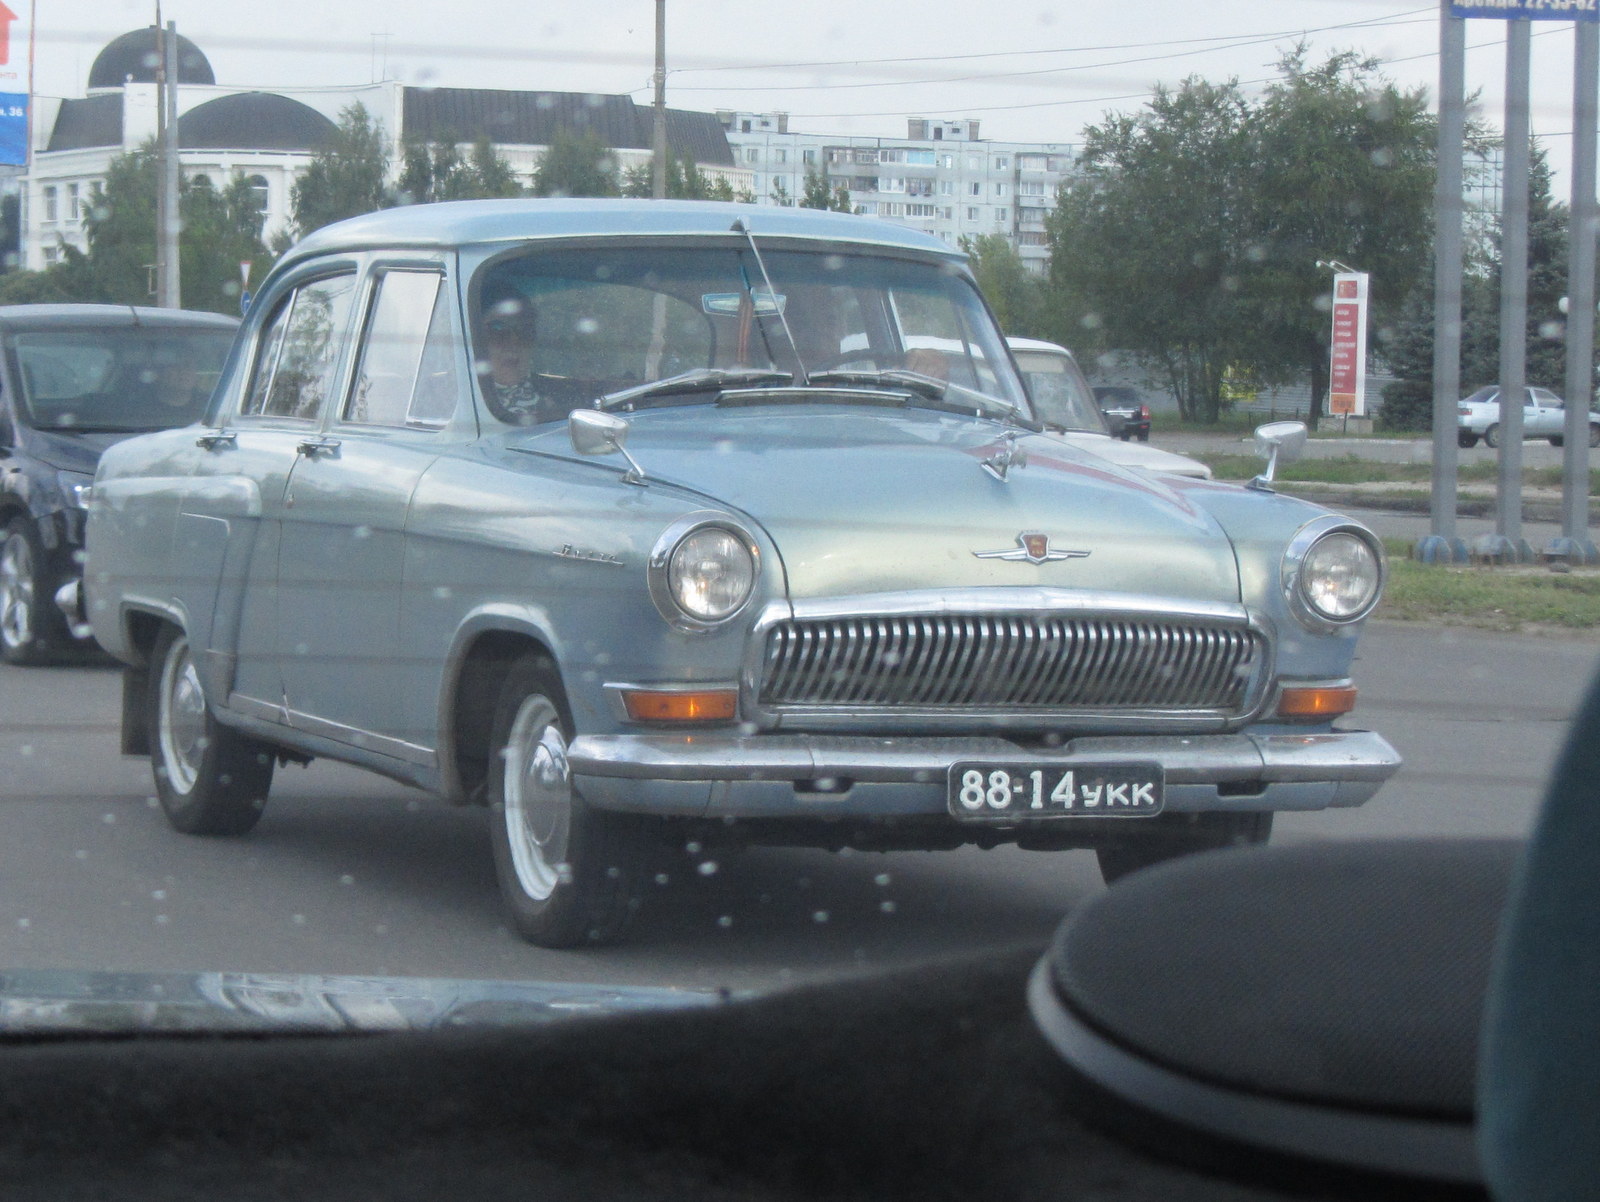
x=1185, y=835
x=30, y=627
x=1467, y=439
x=1557, y=440
x=1594, y=436
x=1144, y=436
x=1491, y=436
x=210, y=779
x=569, y=874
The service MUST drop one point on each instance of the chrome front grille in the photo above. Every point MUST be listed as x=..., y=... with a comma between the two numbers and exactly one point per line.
x=1023, y=662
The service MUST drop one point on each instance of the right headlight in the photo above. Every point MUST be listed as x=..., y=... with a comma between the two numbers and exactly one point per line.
x=703, y=571
x=1332, y=573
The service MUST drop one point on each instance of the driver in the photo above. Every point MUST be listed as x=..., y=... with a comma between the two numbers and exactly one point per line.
x=510, y=328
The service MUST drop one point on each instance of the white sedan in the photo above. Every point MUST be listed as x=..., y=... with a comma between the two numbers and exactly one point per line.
x=1543, y=416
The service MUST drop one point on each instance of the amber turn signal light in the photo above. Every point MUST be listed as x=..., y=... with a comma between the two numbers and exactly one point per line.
x=711, y=705
x=1318, y=701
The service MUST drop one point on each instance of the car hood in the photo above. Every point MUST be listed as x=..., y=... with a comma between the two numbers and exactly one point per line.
x=70, y=452
x=870, y=500
x=40, y=1002
x=1139, y=455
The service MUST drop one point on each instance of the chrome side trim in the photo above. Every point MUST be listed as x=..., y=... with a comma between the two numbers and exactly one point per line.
x=362, y=740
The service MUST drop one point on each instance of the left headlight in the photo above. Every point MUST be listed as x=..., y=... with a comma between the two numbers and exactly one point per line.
x=1333, y=573
x=75, y=487
x=702, y=571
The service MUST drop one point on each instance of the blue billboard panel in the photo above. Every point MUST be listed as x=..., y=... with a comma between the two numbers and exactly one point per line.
x=14, y=129
x=1530, y=10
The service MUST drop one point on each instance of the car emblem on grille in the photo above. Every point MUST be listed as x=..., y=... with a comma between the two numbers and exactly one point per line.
x=1033, y=547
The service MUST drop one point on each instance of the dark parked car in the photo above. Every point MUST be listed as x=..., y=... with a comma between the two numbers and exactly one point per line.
x=74, y=380
x=1128, y=416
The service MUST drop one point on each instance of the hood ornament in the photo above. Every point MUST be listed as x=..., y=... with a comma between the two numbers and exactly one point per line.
x=1006, y=456
x=1033, y=547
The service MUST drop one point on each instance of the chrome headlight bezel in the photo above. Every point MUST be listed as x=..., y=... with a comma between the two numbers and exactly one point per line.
x=664, y=564
x=1297, y=585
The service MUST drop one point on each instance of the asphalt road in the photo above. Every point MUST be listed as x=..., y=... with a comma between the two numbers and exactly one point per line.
x=348, y=873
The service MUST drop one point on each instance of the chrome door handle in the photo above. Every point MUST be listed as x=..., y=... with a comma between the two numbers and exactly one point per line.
x=217, y=438
x=312, y=449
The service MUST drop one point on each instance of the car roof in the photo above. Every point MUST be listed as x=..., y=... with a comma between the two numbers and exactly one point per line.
x=1036, y=344
x=41, y=317
x=469, y=222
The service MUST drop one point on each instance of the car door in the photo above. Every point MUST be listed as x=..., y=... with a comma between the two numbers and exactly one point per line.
x=230, y=526
x=341, y=560
x=1546, y=413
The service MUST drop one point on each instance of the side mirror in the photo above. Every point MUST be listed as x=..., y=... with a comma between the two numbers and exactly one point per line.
x=1277, y=442
x=594, y=432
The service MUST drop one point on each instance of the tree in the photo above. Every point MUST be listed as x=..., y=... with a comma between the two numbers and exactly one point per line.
x=1014, y=293
x=576, y=165
x=347, y=177
x=221, y=229
x=816, y=194
x=1146, y=248
x=1194, y=237
x=1346, y=171
x=780, y=195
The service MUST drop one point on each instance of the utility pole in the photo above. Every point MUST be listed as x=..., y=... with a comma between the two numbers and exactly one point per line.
x=160, y=289
x=658, y=163
x=171, y=297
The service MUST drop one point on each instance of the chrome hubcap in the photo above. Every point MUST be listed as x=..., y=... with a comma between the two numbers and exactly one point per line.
x=16, y=592
x=182, y=719
x=538, y=798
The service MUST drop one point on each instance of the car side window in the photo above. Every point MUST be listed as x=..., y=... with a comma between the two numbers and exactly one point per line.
x=409, y=371
x=299, y=350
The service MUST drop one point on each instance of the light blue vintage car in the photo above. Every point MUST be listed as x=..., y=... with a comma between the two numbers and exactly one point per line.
x=637, y=520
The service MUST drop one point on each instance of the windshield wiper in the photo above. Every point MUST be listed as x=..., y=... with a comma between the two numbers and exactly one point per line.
x=701, y=379
x=924, y=388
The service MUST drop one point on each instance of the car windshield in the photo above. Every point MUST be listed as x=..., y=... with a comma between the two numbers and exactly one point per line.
x=560, y=329
x=125, y=379
x=1061, y=396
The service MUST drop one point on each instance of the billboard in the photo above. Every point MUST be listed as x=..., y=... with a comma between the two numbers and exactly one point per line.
x=14, y=88
x=1530, y=10
x=1347, y=375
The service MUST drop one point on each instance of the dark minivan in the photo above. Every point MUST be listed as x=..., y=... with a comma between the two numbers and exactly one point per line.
x=74, y=380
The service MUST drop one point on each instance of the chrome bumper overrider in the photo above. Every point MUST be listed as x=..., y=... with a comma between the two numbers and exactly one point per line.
x=735, y=775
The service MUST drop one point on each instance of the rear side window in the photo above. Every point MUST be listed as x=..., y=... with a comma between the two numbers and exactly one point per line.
x=298, y=353
x=409, y=373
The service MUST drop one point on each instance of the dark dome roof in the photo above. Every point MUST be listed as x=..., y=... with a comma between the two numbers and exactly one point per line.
x=138, y=52
x=253, y=121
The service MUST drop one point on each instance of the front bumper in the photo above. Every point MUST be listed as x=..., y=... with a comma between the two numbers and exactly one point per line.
x=730, y=775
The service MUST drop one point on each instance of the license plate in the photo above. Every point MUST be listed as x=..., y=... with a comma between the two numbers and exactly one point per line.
x=986, y=791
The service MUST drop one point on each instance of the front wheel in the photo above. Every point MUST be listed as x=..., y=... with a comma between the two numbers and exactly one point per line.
x=1491, y=436
x=569, y=875
x=210, y=779
x=29, y=626
x=1183, y=835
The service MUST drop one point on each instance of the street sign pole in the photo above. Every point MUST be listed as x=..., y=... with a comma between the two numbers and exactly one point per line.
x=1509, y=543
x=1442, y=544
x=1575, y=545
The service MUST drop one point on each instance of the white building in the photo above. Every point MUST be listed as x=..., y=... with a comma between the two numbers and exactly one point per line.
x=271, y=136
x=941, y=177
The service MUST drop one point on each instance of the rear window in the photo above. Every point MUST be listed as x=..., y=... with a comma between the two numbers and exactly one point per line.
x=125, y=379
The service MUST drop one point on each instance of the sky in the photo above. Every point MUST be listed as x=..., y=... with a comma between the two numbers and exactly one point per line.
x=1029, y=71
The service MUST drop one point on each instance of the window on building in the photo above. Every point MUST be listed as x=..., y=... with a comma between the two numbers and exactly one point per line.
x=744, y=127
x=260, y=194
x=891, y=156
x=839, y=154
x=890, y=184
x=1033, y=238
x=947, y=161
x=780, y=156
x=1001, y=216
x=1032, y=162
x=74, y=207
x=51, y=213
x=1032, y=187
x=808, y=156
x=920, y=158
x=752, y=154
x=1002, y=163
x=891, y=208
x=972, y=212
x=919, y=187
x=974, y=189
x=866, y=157
x=919, y=211
x=864, y=183
x=1000, y=189
x=867, y=210
x=947, y=213
x=947, y=187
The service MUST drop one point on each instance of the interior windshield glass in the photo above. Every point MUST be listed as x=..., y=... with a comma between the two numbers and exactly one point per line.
x=556, y=329
x=1061, y=396
x=125, y=379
